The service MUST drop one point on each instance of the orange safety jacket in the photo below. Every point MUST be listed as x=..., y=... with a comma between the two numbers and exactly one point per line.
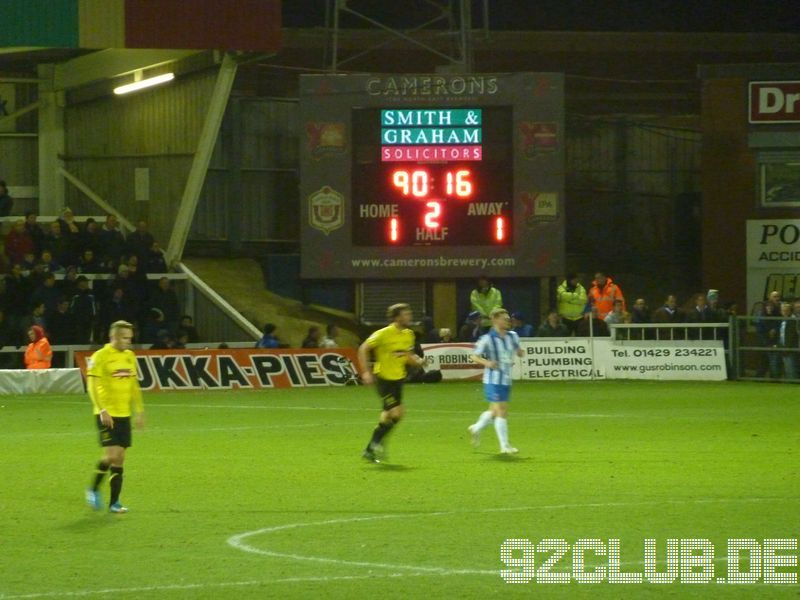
x=38, y=355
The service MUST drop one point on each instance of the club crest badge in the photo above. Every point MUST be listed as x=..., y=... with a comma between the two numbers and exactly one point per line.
x=326, y=210
x=325, y=139
x=537, y=138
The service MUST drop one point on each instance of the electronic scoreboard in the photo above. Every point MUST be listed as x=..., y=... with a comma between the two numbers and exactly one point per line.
x=432, y=176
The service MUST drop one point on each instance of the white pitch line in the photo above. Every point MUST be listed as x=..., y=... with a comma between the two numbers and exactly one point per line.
x=197, y=586
x=237, y=541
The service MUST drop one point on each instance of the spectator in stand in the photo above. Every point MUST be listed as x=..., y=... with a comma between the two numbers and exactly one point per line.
x=181, y=339
x=60, y=327
x=112, y=242
x=774, y=298
x=34, y=231
x=138, y=291
x=603, y=293
x=69, y=226
x=187, y=325
x=7, y=338
x=329, y=341
x=592, y=326
x=484, y=299
x=6, y=201
x=18, y=243
x=59, y=245
x=445, y=335
x=430, y=334
x=640, y=313
x=37, y=316
x=18, y=291
x=50, y=264
x=38, y=354
x=155, y=262
x=28, y=263
x=471, y=329
x=552, y=326
x=796, y=311
x=152, y=325
x=88, y=262
x=83, y=309
x=47, y=293
x=165, y=299
x=164, y=341
x=268, y=340
x=571, y=297
x=117, y=308
x=140, y=241
x=89, y=238
x=617, y=314
x=671, y=314
x=69, y=285
x=788, y=338
x=701, y=313
x=520, y=327
x=312, y=338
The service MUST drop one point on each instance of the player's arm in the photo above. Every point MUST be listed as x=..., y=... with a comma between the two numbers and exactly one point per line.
x=136, y=400
x=98, y=391
x=477, y=356
x=363, y=360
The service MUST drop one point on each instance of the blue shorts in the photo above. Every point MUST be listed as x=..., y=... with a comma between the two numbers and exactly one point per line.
x=496, y=393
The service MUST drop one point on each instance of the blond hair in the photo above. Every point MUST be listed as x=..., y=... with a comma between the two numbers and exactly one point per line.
x=117, y=325
x=395, y=309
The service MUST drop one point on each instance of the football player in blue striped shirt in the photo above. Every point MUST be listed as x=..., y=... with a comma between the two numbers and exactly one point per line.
x=496, y=350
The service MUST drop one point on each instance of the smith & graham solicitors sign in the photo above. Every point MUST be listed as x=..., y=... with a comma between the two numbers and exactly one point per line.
x=774, y=102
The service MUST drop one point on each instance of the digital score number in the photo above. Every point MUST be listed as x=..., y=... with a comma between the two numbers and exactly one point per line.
x=440, y=202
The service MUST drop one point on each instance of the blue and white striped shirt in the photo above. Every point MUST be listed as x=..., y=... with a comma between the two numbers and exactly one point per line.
x=500, y=349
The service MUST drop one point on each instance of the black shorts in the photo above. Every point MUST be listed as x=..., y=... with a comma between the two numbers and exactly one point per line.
x=391, y=392
x=119, y=435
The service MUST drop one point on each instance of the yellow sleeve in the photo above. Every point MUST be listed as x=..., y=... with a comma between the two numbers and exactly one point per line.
x=136, y=390
x=98, y=390
x=375, y=339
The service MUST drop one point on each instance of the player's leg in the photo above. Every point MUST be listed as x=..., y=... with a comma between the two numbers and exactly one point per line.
x=485, y=418
x=499, y=410
x=393, y=411
x=93, y=498
x=117, y=457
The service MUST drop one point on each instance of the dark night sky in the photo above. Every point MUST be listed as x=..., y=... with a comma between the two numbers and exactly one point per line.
x=581, y=15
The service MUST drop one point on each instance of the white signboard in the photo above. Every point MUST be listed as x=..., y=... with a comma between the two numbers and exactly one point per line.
x=702, y=361
x=453, y=360
x=557, y=358
x=773, y=259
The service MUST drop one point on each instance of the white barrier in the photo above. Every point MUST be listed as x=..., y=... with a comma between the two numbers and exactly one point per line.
x=593, y=358
x=41, y=381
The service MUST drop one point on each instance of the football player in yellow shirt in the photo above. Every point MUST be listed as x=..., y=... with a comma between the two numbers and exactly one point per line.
x=393, y=347
x=111, y=377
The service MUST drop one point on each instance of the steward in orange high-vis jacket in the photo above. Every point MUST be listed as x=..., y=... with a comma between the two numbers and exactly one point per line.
x=603, y=293
x=38, y=355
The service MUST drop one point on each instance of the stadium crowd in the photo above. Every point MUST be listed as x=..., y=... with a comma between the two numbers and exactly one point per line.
x=51, y=282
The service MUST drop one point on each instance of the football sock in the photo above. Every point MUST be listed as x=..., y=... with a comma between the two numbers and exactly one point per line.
x=379, y=432
x=100, y=473
x=115, y=480
x=483, y=421
x=501, y=427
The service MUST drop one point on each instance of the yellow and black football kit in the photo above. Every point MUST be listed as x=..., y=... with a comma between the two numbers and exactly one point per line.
x=112, y=379
x=391, y=346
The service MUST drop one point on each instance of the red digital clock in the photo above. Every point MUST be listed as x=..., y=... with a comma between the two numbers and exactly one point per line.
x=442, y=203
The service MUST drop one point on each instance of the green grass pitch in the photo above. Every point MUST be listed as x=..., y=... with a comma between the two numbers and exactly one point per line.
x=603, y=460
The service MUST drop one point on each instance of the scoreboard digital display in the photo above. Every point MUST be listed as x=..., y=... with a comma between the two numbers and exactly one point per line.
x=432, y=177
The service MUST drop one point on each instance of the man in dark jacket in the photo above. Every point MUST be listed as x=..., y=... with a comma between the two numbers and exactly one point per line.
x=83, y=309
x=6, y=201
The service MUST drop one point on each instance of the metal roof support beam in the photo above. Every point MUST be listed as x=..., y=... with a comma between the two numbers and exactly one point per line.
x=202, y=158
